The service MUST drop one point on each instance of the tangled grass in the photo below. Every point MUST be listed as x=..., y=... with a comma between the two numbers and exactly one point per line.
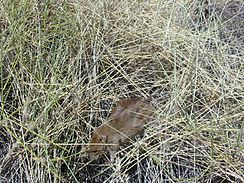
x=64, y=64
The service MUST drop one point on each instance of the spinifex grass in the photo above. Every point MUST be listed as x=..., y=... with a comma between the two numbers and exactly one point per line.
x=63, y=65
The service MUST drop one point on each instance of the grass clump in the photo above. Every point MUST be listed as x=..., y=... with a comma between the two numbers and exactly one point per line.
x=64, y=64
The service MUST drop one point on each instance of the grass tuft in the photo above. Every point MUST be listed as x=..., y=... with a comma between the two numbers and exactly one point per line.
x=63, y=65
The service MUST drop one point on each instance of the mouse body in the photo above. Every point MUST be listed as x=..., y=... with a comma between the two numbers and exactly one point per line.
x=126, y=120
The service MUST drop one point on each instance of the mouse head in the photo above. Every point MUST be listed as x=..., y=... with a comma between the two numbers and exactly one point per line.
x=97, y=145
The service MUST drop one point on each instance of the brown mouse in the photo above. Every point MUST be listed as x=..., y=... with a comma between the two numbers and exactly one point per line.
x=126, y=120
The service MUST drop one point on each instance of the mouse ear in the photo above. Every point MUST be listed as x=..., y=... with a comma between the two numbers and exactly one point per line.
x=103, y=138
